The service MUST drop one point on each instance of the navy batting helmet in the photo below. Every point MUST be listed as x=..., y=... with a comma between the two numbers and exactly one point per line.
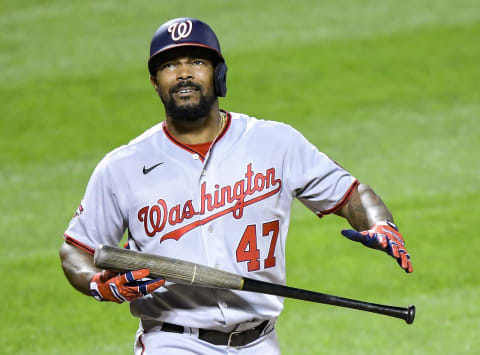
x=186, y=31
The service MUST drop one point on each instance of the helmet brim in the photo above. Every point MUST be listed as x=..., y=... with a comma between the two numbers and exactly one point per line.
x=153, y=58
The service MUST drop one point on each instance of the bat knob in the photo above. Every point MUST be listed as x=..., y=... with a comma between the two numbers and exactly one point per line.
x=410, y=314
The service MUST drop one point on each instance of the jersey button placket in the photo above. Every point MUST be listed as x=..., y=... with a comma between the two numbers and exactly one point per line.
x=205, y=230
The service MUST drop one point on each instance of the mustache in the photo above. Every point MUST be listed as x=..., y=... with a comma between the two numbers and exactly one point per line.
x=185, y=84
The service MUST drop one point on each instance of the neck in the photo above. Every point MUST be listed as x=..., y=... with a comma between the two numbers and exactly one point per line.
x=202, y=130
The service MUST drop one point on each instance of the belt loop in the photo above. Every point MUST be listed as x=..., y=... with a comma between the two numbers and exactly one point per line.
x=194, y=332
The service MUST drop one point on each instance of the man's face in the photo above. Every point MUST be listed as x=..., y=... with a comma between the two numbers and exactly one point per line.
x=184, y=82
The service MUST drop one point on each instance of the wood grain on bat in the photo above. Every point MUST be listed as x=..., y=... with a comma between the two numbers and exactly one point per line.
x=122, y=260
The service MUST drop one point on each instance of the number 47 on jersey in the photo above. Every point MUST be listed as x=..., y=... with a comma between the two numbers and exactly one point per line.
x=248, y=251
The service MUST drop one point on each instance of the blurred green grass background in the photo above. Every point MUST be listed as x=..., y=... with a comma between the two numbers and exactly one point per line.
x=389, y=89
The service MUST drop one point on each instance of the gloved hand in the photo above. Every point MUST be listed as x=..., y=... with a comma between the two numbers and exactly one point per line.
x=383, y=236
x=109, y=286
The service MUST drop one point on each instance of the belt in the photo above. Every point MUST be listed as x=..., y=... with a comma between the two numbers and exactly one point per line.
x=219, y=338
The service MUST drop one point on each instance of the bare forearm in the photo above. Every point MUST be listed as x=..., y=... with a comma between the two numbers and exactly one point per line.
x=365, y=208
x=78, y=267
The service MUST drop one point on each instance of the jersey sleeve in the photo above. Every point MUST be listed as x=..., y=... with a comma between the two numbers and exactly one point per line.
x=99, y=218
x=316, y=180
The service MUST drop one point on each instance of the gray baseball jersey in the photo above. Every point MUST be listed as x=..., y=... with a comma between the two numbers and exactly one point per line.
x=229, y=209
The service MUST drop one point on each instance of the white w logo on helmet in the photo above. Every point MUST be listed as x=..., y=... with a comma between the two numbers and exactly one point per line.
x=180, y=30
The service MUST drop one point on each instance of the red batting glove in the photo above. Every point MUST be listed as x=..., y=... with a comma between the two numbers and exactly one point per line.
x=384, y=236
x=109, y=286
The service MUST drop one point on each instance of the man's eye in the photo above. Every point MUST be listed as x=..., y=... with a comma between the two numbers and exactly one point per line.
x=198, y=62
x=168, y=66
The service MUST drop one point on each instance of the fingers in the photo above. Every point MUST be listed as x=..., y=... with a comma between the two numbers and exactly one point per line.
x=136, y=275
x=133, y=292
x=118, y=295
x=367, y=238
x=353, y=235
x=393, y=249
x=386, y=237
x=139, y=289
x=109, y=286
x=398, y=252
x=395, y=244
x=409, y=265
x=404, y=261
x=150, y=286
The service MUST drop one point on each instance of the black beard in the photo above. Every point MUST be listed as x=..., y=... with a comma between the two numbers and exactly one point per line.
x=187, y=113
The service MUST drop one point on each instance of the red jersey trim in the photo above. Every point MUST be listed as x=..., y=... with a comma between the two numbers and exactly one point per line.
x=201, y=148
x=180, y=144
x=342, y=202
x=191, y=150
x=140, y=340
x=78, y=244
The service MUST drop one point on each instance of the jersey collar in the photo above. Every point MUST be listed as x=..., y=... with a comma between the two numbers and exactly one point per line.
x=191, y=150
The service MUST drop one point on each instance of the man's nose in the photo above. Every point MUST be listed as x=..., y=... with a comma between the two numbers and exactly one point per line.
x=184, y=72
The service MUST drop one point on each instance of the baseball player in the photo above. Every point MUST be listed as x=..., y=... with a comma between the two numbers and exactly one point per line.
x=215, y=188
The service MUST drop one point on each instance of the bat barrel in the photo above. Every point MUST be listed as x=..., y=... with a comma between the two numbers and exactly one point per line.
x=179, y=271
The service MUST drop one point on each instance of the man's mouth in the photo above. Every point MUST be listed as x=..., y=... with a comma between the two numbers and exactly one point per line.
x=185, y=88
x=184, y=91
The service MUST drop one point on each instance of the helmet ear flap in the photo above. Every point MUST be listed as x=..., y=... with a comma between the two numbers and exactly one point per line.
x=221, y=79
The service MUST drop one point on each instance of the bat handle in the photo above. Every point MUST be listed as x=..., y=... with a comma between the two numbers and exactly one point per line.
x=407, y=314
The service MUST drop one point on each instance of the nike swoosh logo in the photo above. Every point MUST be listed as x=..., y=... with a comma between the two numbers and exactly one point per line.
x=147, y=170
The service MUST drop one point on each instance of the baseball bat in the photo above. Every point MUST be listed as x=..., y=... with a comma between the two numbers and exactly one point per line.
x=184, y=272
